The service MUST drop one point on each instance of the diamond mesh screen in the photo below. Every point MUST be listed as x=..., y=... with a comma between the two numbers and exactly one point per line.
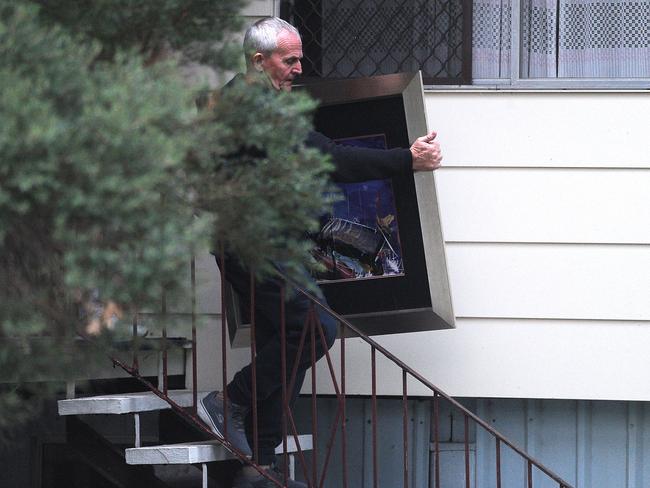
x=353, y=38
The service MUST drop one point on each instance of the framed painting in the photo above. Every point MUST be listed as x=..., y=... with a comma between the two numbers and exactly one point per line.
x=382, y=247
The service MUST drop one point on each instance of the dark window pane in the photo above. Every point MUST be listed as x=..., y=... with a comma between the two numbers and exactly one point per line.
x=352, y=38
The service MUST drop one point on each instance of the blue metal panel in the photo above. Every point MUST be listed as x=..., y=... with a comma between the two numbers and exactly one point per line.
x=608, y=439
x=642, y=459
x=389, y=440
x=508, y=417
x=591, y=444
x=452, y=465
x=551, y=424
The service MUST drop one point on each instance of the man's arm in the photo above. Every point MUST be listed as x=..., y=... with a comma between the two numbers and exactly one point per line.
x=354, y=164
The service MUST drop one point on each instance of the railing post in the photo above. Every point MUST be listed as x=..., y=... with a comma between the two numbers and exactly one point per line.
x=194, y=352
x=344, y=454
x=467, y=470
x=498, y=461
x=224, y=338
x=164, y=372
x=163, y=311
x=136, y=363
x=254, y=369
x=375, y=477
x=435, y=427
x=314, y=408
x=405, y=436
x=283, y=372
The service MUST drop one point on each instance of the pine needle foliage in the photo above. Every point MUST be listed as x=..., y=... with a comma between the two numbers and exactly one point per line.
x=110, y=179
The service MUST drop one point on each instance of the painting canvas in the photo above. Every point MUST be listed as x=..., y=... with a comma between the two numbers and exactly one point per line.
x=360, y=239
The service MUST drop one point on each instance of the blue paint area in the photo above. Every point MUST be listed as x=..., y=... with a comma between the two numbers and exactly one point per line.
x=367, y=214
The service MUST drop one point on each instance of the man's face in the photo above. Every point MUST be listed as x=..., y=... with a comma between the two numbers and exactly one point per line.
x=283, y=64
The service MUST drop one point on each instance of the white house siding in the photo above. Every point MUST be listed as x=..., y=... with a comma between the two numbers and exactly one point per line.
x=545, y=202
x=545, y=205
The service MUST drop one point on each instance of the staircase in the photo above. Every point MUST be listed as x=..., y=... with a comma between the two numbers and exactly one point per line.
x=199, y=452
x=188, y=442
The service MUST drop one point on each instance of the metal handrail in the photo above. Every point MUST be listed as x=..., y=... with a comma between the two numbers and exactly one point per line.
x=313, y=327
x=468, y=414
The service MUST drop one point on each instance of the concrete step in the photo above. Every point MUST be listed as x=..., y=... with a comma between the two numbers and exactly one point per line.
x=199, y=452
x=124, y=403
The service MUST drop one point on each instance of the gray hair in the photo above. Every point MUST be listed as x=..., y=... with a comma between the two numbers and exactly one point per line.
x=262, y=36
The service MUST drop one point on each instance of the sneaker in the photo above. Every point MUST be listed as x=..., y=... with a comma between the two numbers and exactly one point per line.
x=256, y=480
x=210, y=410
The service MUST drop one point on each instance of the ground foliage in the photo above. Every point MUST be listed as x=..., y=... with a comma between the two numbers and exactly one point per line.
x=110, y=178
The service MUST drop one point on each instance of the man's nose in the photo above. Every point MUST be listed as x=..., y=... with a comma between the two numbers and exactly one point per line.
x=297, y=68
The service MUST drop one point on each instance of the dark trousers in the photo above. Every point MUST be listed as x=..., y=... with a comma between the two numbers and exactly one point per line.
x=268, y=358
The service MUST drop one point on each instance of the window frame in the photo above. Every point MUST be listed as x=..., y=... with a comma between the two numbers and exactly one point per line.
x=517, y=82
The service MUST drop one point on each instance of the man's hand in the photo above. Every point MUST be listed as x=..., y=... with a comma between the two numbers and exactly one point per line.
x=426, y=153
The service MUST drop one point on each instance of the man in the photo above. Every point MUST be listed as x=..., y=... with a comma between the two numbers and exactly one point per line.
x=273, y=50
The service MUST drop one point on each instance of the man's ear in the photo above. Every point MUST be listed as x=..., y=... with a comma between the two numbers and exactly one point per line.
x=258, y=59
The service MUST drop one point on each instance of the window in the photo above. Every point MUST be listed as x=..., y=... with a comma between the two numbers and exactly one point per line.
x=354, y=38
x=562, y=40
x=555, y=43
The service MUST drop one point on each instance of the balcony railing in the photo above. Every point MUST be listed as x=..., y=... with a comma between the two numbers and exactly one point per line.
x=317, y=472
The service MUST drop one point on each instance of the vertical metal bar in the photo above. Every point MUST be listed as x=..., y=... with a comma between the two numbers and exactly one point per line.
x=405, y=429
x=204, y=475
x=283, y=372
x=498, y=461
x=194, y=352
x=254, y=369
x=163, y=310
x=314, y=407
x=344, y=447
x=530, y=474
x=224, y=338
x=136, y=363
x=194, y=371
x=467, y=472
x=165, y=373
x=375, y=469
x=435, y=422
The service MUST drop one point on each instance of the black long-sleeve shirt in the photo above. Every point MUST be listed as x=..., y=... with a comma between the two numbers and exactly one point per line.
x=353, y=164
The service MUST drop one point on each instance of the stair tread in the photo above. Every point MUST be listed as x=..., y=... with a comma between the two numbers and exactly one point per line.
x=124, y=403
x=198, y=452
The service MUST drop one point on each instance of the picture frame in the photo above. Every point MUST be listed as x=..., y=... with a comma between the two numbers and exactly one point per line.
x=419, y=297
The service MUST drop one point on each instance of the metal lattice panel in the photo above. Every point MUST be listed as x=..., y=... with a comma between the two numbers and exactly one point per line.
x=353, y=38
